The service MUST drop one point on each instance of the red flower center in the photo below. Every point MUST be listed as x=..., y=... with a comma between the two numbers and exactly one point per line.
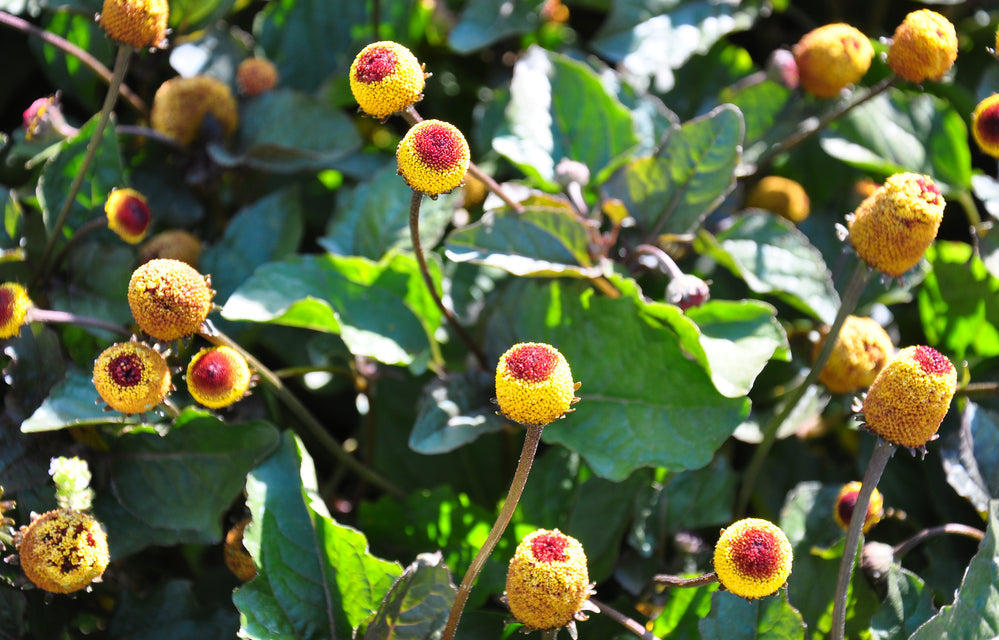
x=133, y=215
x=376, y=64
x=928, y=191
x=533, y=363
x=846, y=505
x=932, y=361
x=988, y=124
x=756, y=554
x=437, y=147
x=6, y=305
x=549, y=547
x=126, y=370
x=213, y=372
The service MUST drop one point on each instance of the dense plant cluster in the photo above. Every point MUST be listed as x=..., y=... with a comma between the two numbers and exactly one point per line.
x=588, y=318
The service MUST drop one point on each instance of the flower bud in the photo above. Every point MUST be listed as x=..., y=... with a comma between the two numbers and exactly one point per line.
x=63, y=551
x=140, y=23
x=132, y=377
x=910, y=397
x=44, y=122
x=985, y=125
x=255, y=76
x=547, y=582
x=128, y=215
x=876, y=560
x=686, y=291
x=169, y=299
x=534, y=384
x=847, y=500
x=386, y=77
x=753, y=558
x=236, y=558
x=783, y=196
x=861, y=350
x=892, y=228
x=571, y=171
x=14, y=305
x=782, y=68
x=924, y=46
x=832, y=57
x=433, y=157
x=218, y=377
x=175, y=244
x=181, y=104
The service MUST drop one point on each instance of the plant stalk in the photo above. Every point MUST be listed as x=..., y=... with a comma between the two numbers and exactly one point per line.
x=63, y=317
x=626, y=622
x=531, y=441
x=906, y=546
x=675, y=581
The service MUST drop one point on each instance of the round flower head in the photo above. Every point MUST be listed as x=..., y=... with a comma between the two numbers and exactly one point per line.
x=169, y=298
x=14, y=305
x=832, y=57
x=910, y=397
x=547, y=582
x=985, y=125
x=132, y=377
x=128, y=214
x=862, y=349
x=255, y=76
x=236, y=558
x=217, y=377
x=63, y=551
x=892, y=228
x=534, y=384
x=783, y=196
x=140, y=23
x=847, y=500
x=433, y=157
x=181, y=104
x=386, y=77
x=924, y=46
x=752, y=558
x=175, y=244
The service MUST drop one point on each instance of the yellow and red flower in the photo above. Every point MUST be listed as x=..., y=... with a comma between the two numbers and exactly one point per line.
x=63, y=551
x=861, y=350
x=753, y=558
x=547, y=583
x=386, y=77
x=924, y=46
x=847, y=500
x=433, y=157
x=132, y=377
x=169, y=298
x=140, y=23
x=14, y=305
x=985, y=125
x=218, y=377
x=831, y=58
x=534, y=384
x=128, y=214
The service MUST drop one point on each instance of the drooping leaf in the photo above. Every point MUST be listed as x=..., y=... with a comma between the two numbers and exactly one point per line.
x=908, y=604
x=172, y=610
x=417, y=605
x=971, y=456
x=559, y=109
x=641, y=394
x=453, y=412
x=774, y=257
x=674, y=190
x=974, y=614
x=483, y=22
x=735, y=618
x=316, y=578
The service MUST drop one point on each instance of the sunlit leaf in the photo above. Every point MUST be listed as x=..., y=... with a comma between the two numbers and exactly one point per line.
x=417, y=605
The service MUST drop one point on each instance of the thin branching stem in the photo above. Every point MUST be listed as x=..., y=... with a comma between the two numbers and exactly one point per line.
x=64, y=317
x=883, y=451
x=623, y=620
x=904, y=547
x=531, y=441
x=678, y=582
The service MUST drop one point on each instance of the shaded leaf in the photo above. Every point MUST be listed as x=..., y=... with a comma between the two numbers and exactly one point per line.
x=36, y=367
x=453, y=412
x=72, y=402
x=315, y=578
x=735, y=618
x=971, y=456
x=483, y=22
x=908, y=604
x=171, y=611
x=67, y=72
x=674, y=190
x=417, y=605
x=97, y=285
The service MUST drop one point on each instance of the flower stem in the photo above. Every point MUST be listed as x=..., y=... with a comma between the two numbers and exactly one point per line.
x=676, y=581
x=311, y=426
x=506, y=513
x=120, y=66
x=906, y=546
x=624, y=620
x=414, y=232
x=79, y=234
x=64, y=317
x=855, y=287
x=883, y=451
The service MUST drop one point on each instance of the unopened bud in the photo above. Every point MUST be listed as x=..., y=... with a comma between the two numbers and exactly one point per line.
x=686, y=291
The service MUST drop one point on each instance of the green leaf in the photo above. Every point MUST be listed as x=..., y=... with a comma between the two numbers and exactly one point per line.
x=72, y=402
x=453, y=412
x=971, y=457
x=735, y=618
x=739, y=338
x=417, y=605
x=559, y=108
x=267, y=230
x=542, y=241
x=381, y=310
x=774, y=257
x=187, y=16
x=283, y=131
x=958, y=305
x=683, y=611
x=904, y=131
x=674, y=190
x=483, y=22
x=171, y=611
x=373, y=219
x=67, y=72
x=908, y=604
x=315, y=578
x=97, y=285
x=36, y=367
x=974, y=614
x=640, y=391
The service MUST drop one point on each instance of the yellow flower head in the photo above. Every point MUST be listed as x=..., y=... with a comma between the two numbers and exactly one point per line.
x=862, y=349
x=14, y=305
x=63, y=551
x=783, y=196
x=181, y=104
x=832, y=57
x=140, y=23
x=847, y=500
x=534, y=384
x=985, y=125
x=892, y=228
x=128, y=214
x=132, y=377
x=255, y=76
x=175, y=244
x=433, y=157
x=924, y=46
x=218, y=377
x=547, y=582
x=236, y=558
x=910, y=397
x=752, y=558
x=169, y=298
x=386, y=77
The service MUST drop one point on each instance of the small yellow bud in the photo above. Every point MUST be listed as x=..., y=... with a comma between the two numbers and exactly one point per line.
x=14, y=305
x=128, y=215
x=255, y=76
x=140, y=23
x=924, y=46
x=433, y=157
x=63, y=551
x=861, y=350
x=832, y=57
x=181, y=104
x=534, y=384
x=547, y=582
x=218, y=377
x=753, y=558
x=175, y=244
x=386, y=77
x=236, y=558
x=985, y=125
x=169, y=299
x=847, y=500
x=783, y=196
